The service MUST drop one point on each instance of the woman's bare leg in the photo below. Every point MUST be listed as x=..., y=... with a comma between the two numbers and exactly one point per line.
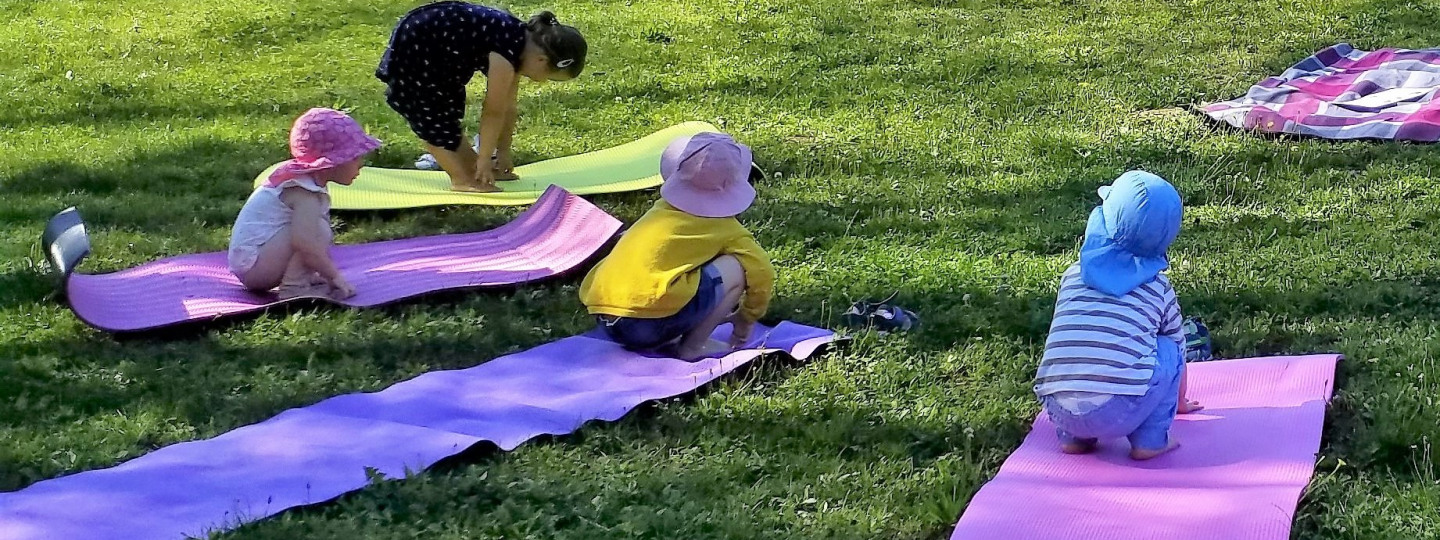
x=460, y=165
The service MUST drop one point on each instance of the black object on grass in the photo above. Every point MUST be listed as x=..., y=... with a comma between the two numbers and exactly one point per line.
x=883, y=316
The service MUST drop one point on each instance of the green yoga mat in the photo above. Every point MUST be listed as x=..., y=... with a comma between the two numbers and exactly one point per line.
x=629, y=167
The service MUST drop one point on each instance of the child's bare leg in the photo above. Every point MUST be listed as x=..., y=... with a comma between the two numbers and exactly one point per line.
x=697, y=343
x=296, y=273
x=299, y=281
x=271, y=263
x=460, y=165
x=1186, y=405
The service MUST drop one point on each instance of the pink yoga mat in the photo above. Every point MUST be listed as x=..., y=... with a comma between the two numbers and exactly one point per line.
x=1240, y=470
x=313, y=454
x=560, y=232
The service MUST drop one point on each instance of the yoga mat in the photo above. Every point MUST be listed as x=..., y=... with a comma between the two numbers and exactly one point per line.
x=629, y=167
x=1238, y=474
x=1344, y=93
x=560, y=232
x=313, y=454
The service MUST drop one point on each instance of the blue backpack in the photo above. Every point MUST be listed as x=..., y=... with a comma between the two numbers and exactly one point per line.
x=1198, y=347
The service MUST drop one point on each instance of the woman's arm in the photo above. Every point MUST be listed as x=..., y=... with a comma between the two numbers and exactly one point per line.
x=508, y=133
x=504, y=160
x=495, y=120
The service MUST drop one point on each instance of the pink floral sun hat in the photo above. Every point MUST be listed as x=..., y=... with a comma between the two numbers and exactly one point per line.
x=320, y=139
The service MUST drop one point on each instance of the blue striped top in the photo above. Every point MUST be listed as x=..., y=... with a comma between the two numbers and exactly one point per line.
x=1106, y=344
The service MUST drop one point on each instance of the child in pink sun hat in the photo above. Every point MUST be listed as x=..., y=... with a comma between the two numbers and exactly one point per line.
x=687, y=265
x=282, y=236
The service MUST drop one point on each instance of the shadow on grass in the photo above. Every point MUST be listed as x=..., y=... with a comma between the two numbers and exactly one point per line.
x=853, y=438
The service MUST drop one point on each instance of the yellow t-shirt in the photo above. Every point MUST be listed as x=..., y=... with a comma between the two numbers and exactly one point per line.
x=654, y=269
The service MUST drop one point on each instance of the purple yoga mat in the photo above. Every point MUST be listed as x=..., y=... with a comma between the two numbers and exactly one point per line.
x=560, y=232
x=314, y=454
x=1238, y=474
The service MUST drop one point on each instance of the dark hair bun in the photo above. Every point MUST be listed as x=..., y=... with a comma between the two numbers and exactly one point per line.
x=564, y=45
x=544, y=18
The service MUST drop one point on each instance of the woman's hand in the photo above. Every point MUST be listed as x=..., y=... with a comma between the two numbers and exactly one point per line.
x=485, y=176
x=504, y=165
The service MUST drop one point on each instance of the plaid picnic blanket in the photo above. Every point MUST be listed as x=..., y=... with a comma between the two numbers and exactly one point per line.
x=1344, y=93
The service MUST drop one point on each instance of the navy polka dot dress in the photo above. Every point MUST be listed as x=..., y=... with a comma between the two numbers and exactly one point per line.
x=434, y=52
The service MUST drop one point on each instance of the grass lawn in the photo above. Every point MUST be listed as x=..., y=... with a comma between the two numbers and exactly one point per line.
x=948, y=149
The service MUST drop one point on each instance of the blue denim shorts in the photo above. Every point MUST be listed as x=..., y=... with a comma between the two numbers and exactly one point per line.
x=642, y=334
x=1145, y=420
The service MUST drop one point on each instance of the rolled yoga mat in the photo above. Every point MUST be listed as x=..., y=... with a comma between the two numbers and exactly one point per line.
x=1243, y=462
x=629, y=167
x=560, y=232
x=313, y=454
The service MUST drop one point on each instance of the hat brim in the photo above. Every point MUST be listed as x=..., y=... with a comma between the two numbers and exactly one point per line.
x=729, y=202
x=713, y=204
x=295, y=168
x=340, y=158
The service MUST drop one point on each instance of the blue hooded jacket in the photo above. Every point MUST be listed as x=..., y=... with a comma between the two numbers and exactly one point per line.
x=1127, y=236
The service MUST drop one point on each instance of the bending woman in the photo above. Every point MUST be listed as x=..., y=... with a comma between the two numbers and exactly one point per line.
x=434, y=52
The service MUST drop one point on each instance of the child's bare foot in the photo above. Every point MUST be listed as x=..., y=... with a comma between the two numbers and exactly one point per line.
x=1189, y=406
x=475, y=187
x=709, y=348
x=1140, y=454
x=289, y=291
x=339, y=293
x=505, y=176
x=1077, y=447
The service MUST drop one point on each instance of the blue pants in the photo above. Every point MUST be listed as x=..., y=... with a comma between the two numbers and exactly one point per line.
x=1145, y=420
x=643, y=334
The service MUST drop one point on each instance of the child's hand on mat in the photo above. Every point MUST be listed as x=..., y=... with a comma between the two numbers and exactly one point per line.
x=341, y=289
x=740, y=335
x=1188, y=406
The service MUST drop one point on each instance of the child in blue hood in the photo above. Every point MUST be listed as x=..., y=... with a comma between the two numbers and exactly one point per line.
x=1114, y=361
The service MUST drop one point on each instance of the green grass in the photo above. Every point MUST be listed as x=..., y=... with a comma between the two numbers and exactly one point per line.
x=948, y=149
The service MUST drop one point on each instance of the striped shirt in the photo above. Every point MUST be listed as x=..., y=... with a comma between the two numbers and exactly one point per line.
x=1106, y=344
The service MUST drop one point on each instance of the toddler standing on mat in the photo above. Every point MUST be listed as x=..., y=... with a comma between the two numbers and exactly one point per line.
x=282, y=236
x=1114, y=360
x=687, y=265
